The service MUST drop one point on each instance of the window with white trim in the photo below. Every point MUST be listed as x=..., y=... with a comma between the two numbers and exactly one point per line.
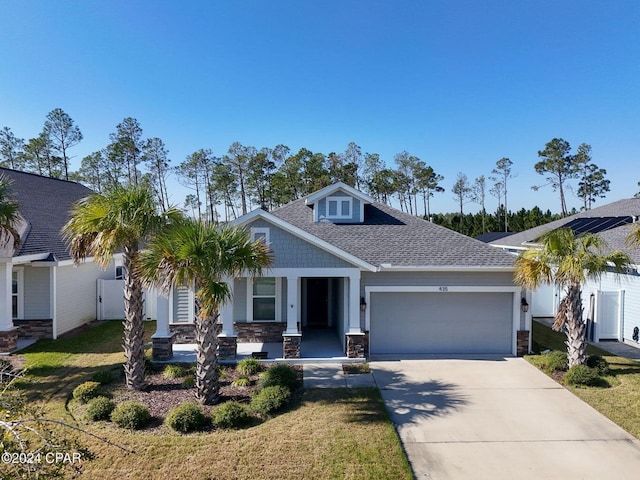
x=260, y=232
x=263, y=299
x=339, y=207
x=17, y=291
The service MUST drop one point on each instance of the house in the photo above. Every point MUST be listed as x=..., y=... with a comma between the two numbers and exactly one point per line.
x=612, y=303
x=43, y=294
x=380, y=280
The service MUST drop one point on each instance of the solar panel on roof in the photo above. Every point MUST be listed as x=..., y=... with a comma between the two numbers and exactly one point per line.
x=596, y=224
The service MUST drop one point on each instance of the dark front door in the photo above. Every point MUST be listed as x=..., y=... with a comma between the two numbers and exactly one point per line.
x=317, y=302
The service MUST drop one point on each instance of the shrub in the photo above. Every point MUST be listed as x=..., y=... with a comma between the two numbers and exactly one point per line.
x=189, y=380
x=99, y=408
x=270, y=399
x=554, y=360
x=280, y=375
x=231, y=415
x=581, y=375
x=186, y=417
x=599, y=364
x=173, y=371
x=248, y=367
x=130, y=414
x=103, y=376
x=86, y=391
x=241, y=382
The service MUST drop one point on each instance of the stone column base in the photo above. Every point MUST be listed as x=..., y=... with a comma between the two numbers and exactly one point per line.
x=9, y=340
x=356, y=345
x=162, y=348
x=227, y=348
x=291, y=345
x=522, y=343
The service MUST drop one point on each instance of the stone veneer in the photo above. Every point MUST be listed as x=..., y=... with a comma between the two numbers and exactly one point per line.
x=291, y=346
x=356, y=345
x=227, y=348
x=9, y=340
x=162, y=348
x=260, y=332
x=183, y=333
x=522, y=343
x=37, y=329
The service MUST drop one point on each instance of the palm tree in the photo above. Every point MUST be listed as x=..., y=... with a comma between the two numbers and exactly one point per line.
x=8, y=212
x=200, y=255
x=102, y=224
x=567, y=261
x=633, y=240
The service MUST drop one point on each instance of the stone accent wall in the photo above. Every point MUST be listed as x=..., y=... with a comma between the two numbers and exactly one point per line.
x=356, y=345
x=522, y=343
x=8, y=340
x=162, y=348
x=185, y=333
x=227, y=348
x=260, y=332
x=291, y=346
x=37, y=329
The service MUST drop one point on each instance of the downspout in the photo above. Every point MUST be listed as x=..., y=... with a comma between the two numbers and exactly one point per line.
x=53, y=303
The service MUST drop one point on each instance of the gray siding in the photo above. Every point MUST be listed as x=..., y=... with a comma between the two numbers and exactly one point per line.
x=436, y=279
x=290, y=251
x=321, y=205
x=37, y=296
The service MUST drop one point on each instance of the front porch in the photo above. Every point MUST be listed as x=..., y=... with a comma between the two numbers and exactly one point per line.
x=308, y=315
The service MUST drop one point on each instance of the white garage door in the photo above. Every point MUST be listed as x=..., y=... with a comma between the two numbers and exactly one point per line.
x=441, y=323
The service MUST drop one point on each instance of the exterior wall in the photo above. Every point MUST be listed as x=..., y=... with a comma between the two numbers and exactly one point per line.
x=37, y=296
x=35, y=328
x=76, y=294
x=292, y=252
x=631, y=310
x=436, y=279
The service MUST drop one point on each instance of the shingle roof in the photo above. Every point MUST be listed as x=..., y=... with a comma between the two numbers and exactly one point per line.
x=389, y=236
x=615, y=238
x=45, y=204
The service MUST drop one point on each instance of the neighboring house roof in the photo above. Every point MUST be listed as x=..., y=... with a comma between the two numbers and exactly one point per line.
x=489, y=237
x=390, y=238
x=44, y=203
x=620, y=216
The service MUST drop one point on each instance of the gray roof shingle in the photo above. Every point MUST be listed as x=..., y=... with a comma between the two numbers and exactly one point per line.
x=45, y=204
x=403, y=240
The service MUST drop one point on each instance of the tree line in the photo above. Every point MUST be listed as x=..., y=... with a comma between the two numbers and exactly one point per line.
x=224, y=187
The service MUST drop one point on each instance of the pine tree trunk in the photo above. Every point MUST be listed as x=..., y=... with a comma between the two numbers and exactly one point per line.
x=575, y=328
x=133, y=326
x=206, y=361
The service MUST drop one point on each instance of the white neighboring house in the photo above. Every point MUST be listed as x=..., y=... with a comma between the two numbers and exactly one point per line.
x=42, y=293
x=611, y=304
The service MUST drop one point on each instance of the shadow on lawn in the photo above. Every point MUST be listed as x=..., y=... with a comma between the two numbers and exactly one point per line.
x=365, y=405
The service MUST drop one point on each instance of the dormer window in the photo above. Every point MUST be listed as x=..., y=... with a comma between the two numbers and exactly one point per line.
x=339, y=207
x=261, y=233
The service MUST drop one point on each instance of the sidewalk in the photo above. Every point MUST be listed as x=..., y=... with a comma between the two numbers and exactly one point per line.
x=330, y=375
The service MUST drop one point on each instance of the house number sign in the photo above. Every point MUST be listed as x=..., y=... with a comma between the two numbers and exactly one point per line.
x=444, y=289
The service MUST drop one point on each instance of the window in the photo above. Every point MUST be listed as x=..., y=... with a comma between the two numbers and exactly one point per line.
x=339, y=207
x=260, y=232
x=119, y=272
x=17, y=291
x=263, y=303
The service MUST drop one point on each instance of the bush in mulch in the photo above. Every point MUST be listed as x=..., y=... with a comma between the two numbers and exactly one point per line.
x=270, y=400
x=99, y=408
x=132, y=415
x=231, y=414
x=187, y=417
x=599, y=363
x=86, y=391
x=280, y=375
x=582, y=375
x=248, y=367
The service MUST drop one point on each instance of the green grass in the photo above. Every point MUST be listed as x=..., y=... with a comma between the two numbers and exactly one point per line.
x=324, y=433
x=621, y=401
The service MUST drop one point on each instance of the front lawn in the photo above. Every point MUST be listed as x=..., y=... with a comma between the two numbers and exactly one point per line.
x=620, y=402
x=325, y=433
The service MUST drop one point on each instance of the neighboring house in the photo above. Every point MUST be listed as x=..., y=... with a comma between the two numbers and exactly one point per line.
x=43, y=294
x=383, y=281
x=612, y=304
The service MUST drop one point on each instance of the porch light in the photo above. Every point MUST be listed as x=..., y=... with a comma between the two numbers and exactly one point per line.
x=363, y=304
x=524, y=305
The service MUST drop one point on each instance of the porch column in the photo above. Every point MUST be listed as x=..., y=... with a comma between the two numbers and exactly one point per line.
x=8, y=333
x=162, y=340
x=293, y=305
x=354, y=303
x=227, y=338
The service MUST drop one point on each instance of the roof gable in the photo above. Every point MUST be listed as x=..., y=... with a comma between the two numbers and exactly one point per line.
x=335, y=189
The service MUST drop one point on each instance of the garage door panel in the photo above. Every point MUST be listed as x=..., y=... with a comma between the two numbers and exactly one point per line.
x=410, y=322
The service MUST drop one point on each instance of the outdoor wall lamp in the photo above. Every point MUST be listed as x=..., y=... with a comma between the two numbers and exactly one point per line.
x=524, y=305
x=363, y=304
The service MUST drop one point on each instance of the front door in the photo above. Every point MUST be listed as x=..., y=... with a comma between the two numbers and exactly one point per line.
x=317, y=302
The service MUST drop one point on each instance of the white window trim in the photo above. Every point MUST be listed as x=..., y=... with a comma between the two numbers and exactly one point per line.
x=250, y=302
x=20, y=274
x=258, y=230
x=339, y=200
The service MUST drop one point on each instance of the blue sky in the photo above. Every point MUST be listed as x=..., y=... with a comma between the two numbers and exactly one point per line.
x=459, y=84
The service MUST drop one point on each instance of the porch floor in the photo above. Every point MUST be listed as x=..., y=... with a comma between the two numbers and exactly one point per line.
x=318, y=346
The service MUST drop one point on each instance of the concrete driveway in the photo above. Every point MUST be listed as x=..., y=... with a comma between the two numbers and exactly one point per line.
x=499, y=418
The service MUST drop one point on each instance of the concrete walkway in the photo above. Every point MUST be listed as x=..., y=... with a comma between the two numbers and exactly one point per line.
x=331, y=375
x=499, y=419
